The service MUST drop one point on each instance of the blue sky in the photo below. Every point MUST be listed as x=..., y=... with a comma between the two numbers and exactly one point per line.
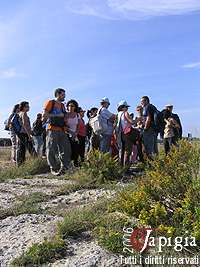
x=121, y=49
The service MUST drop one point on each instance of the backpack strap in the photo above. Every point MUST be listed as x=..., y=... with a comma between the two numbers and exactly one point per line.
x=99, y=111
x=53, y=105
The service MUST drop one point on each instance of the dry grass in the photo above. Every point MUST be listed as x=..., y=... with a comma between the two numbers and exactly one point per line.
x=5, y=153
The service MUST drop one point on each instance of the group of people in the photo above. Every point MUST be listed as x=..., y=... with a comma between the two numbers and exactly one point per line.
x=61, y=135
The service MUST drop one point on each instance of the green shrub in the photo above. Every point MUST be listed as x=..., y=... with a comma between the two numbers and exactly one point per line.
x=168, y=195
x=75, y=222
x=154, y=216
x=109, y=231
x=42, y=253
x=30, y=167
x=131, y=202
x=99, y=168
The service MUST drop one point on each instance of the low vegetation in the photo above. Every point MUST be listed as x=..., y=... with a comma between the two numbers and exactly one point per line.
x=30, y=167
x=39, y=254
x=99, y=169
x=26, y=205
x=5, y=153
x=166, y=198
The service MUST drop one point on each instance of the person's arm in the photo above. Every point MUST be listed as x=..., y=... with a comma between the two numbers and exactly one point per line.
x=78, y=126
x=148, y=122
x=175, y=124
x=180, y=126
x=34, y=126
x=150, y=114
x=47, y=109
x=24, y=126
x=10, y=119
x=46, y=113
x=128, y=118
x=112, y=118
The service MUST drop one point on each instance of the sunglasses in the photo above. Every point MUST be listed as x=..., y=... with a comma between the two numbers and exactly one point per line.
x=71, y=106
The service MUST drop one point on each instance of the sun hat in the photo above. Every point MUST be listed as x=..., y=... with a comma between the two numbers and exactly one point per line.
x=123, y=103
x=105, y=100
x=168, y=105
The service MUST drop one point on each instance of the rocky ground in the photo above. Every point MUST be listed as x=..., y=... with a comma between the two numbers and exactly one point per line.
x=18, y=233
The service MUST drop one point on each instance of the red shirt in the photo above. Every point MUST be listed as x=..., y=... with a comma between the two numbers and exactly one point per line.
x=82, y=128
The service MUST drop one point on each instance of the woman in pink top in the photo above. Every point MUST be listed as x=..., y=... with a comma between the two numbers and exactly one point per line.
x=73, y=120
x=82, y=134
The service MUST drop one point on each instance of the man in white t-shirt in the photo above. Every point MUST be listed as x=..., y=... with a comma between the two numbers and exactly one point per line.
x=108, y=120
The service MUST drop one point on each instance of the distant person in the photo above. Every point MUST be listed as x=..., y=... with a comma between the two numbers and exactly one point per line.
x=94, y=139
x=139, y=124
x=82, y=132
x=13, y=134
x=44, y=136
x=139, y=119
x=149, y=131
x=134, y=153
x=179, y=131
x=169, y=132
x=127, y=136
x=25, y=136
x=73, y=122
x=58, y=147
x=108, y=119
x=38, y=131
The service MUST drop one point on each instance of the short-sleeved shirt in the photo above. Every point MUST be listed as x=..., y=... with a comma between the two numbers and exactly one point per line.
x=106, y=115
x=57, y=109
x=72, y=123
x=149, y=110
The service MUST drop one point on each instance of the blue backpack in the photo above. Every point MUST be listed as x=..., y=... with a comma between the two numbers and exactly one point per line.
x=16, y=124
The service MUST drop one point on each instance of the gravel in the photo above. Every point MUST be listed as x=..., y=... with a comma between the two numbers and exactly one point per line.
x=80, y=197
x=87, y=254
x=17, y=234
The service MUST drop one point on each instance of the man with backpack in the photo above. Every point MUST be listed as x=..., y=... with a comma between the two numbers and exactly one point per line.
x=150, y=131
x=177, y=131
x=108, y=119
x=58, y=147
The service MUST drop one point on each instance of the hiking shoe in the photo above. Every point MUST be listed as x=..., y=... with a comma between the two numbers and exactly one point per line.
x=63, y=171
x=55, y=173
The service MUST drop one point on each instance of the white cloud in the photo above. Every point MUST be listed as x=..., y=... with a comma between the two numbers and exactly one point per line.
x=194, y=65
x=10, y=73
x=91, y=8
x=132, y=9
